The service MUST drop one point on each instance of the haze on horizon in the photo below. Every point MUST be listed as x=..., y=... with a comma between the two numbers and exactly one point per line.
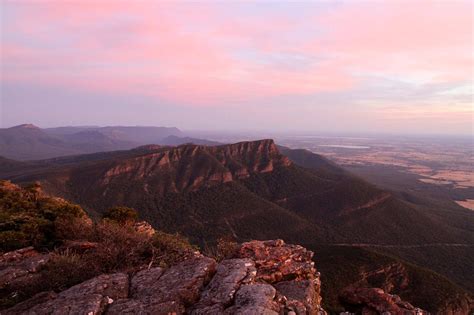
x=346, y=66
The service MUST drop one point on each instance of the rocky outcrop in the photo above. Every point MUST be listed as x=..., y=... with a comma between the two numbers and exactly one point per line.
x=266, y=277
x=173, y=169
x=377, y=301
x=155, y=291
x=377, y=290
x=263, y=277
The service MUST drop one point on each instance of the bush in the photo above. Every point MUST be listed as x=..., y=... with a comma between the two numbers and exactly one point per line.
x=73, y=228
x=29, y=218
x=120, y=247
x=11, y=240
x=169, y=249
x=225, y=248
x=122, y=215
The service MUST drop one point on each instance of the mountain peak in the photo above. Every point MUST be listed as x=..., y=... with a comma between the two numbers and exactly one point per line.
x=25, y=126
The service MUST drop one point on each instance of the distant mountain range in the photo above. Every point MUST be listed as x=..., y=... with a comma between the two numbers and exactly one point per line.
x=256, y=190
x=29, y=142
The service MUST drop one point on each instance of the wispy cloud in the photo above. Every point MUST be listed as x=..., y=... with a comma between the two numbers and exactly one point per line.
x=211, y=55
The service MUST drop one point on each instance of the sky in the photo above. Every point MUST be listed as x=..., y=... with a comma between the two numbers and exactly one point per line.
x=328, y=66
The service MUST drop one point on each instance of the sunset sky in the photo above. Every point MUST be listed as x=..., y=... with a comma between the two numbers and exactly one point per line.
x=332, y=66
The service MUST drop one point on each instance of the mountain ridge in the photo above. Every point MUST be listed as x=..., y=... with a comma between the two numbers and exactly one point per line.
x=29, y=142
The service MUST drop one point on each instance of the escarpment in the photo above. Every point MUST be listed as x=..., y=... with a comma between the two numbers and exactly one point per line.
x=190, y=167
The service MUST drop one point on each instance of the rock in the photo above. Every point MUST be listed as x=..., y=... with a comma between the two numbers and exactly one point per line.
x=89, y=297
x=377, y=301
x=301, y=296
x=156, y=291
x=144, y=280
x=37, y=299
x=257, y=298
x=144, y=228
x=17, y=265
x=268, y=277
x=218, y=295
x=277, y=261
x=290, y=269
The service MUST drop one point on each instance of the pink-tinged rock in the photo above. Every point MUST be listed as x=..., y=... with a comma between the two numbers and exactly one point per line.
x=90, y=297
x=302, y=296
x=220, y=292
x=20, y=264
x=156, y=291
x=276, y=261
x=377, y=301
x=254, y=299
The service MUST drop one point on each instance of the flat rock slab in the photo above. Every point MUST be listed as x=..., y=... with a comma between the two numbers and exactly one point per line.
x=90, y=297
x=156, y=291
x=256, y=298
x=218, y=295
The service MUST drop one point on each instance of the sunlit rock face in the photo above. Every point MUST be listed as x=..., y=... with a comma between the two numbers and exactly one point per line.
x=190, y=167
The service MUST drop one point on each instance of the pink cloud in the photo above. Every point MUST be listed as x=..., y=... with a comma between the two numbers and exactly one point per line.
x=192, y=54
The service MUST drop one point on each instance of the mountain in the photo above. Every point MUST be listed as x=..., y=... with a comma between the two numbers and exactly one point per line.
x=174, y=141
x=140, y=135
x=28, y=142
x=191, y=184
x=256, y=190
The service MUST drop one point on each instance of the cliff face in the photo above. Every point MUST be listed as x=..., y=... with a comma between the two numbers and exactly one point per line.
x=190, y=167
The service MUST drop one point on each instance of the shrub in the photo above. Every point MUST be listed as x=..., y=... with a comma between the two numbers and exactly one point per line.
x=225, y=248
x=119, y=247
x=170, y=249
x=73, y=228
x=29, y=218
x=123, y=215
x=11, y=240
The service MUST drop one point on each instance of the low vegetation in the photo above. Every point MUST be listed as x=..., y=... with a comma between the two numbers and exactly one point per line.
x=28, y=218
x=78, y=249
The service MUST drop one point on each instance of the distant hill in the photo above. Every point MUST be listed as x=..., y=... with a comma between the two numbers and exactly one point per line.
x=28, y=142
x=174, y=140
